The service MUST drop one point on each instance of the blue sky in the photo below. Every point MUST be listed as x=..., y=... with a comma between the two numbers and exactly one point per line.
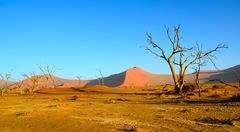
x=81, y=36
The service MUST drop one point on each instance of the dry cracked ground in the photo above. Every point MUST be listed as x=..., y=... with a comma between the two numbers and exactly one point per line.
x=114, y=112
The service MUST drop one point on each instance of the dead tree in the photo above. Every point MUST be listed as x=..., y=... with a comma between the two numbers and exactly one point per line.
x=5, y=82
x=198, y=64
x=19, y=86
x=34, y=81
x=79, y=80
x=101, y=78
x=180, y=56
x=196, y=77
x=48, y=73
x=98, y=79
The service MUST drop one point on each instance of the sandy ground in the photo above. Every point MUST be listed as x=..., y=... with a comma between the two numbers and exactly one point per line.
x=93, y=111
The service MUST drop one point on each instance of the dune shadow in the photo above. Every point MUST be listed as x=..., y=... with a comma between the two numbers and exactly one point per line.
x=111, y=81
x=229, y=75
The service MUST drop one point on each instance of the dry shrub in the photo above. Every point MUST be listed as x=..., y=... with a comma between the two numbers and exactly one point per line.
x=204, y=90
x=211, y=120
x=215, y=95
x=188, y=88
x=217, y=86
x=25, y=91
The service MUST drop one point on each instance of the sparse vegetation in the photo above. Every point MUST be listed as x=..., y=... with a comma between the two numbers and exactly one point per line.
x=120, y=87
x=119, y=111
x=34, y=84
x=48, y=73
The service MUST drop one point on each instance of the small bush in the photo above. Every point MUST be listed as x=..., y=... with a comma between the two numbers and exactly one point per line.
x=188, y=88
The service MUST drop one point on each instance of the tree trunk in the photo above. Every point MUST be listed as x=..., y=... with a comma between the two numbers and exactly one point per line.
x=175, y=79
x=199, y=92
x=198, y=85
x=181, y=83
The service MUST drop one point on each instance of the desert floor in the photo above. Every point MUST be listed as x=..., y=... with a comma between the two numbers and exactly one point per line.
x=89, y=110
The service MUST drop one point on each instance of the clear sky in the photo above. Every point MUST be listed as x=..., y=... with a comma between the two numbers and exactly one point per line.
x=81, y=36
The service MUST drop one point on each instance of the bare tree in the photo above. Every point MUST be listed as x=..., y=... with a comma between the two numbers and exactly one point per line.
x=34, y=79
x=5, y=82
x=185, y=56
x=101, y=78
x=198, y=64
x=48, y=73
x=19, y=86
x=79, y=78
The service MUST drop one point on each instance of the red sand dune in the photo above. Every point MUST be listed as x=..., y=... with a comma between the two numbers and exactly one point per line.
x=132, y=77
x=136, y=77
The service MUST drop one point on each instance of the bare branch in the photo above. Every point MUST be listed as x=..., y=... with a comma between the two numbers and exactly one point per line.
x=169, y=37
x=156, y=54
x=154, y=45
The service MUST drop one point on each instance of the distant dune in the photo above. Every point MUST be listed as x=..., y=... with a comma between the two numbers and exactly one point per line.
x=138, y=77
x=50, y=82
